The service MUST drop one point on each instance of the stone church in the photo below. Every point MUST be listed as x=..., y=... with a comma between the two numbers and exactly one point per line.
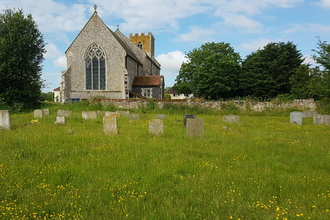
x=106, y=64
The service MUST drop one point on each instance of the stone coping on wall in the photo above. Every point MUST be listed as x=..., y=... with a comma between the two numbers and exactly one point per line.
x=301, y=104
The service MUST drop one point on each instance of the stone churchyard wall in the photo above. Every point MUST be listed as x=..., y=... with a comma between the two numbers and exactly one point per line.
x=300, y=104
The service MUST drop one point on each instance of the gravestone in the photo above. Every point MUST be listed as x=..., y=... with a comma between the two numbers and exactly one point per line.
x=195, y=127
x=160, y=116
x=185, y=117
x=123, y=113
x=307, y=114
x=37, y=113
x=110, y=125
x=231, y=118
x=64, y=113
x=322, y=119
x=45, y=111
x=111, y=114
x=296, y=118
x=133, y=117
x=89, y=115
x=60, y=120
x=156, y=127
x=101, y=113
x=5, y=120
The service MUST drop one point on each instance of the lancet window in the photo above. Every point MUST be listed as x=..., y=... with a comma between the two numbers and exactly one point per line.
x=95, y=68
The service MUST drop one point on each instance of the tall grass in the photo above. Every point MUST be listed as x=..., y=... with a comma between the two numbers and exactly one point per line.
x=261, y=168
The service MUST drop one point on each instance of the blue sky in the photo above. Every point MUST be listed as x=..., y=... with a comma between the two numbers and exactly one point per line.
x=179, y=26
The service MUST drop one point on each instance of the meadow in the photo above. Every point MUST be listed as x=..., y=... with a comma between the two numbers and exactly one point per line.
x=261, y=168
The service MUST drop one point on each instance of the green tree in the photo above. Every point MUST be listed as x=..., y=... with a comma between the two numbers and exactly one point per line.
x=266, y=73
x=323, y=54
x=211, y=72
x=21, y=54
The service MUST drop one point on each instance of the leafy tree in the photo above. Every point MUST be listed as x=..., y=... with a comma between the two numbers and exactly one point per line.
x=21, y=53
x=323, y=54
x=266, y=73
x=211, y=72
x=300, y=81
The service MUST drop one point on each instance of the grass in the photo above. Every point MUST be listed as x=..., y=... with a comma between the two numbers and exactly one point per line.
x=261, y=168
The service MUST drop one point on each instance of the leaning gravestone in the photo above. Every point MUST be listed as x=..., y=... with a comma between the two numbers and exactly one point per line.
x=296, y=118
x=5, y=120
x=45, y=111
x=60, y=120
x=306, y=114
x=195, y=127
x=231, y=118
x=322, y=119
x=110, y=125
x=38, y=113
x=156, y=127
x=89, y=115
x=133, y=117
x=123, y=113
x=185, y=117
x=160, y=116
x=64, y=113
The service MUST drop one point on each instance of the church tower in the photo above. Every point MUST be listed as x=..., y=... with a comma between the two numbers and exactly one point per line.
x=144, y=42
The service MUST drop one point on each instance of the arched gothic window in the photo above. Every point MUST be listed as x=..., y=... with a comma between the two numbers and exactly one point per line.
x=95, y=68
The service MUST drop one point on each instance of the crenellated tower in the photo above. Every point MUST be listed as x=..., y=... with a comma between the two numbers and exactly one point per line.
x=145, y=42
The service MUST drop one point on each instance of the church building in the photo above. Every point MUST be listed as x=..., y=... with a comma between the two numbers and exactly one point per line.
x=102, y=63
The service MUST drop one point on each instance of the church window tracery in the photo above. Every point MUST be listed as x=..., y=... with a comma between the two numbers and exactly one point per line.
x=95, y=68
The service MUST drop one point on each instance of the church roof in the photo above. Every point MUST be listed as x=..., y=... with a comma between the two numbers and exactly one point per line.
x=57, y=89
x=148, y=80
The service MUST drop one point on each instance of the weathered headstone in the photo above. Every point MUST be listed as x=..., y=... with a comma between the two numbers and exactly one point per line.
x=45, y=111
x=160, y=116
x=37, y=113
x=123, y=113
x=5, y=122
x=89, y=115
x=101, y=113
x=64, y=113
x=111, y=114
x=322, y=119
x=110, y=125
x=156, y=127
x=231, y=118
x=306, y=114
x=60, y=120
x=185, y=117
x=296, y=118
x=133, y=117
x=195, y=127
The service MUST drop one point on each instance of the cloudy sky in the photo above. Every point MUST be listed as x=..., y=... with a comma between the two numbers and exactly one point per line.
x=179, y=26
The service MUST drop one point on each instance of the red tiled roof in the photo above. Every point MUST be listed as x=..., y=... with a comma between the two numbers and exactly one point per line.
x=57, y=89
x=148, y=80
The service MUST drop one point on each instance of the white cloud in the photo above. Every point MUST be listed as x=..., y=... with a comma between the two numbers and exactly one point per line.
x=315, y=28
x=324, y=3
x=60, y=62
x=254, y=45
x=171, y=64
x=52, y=51
x=242, y=21
x=309, y=60
x=196, y=34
